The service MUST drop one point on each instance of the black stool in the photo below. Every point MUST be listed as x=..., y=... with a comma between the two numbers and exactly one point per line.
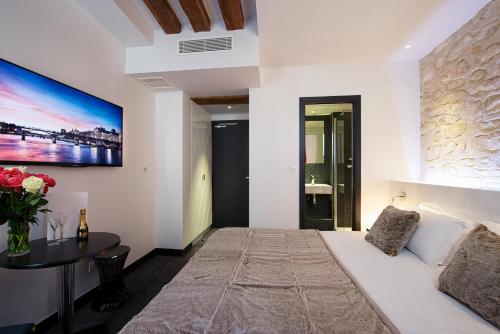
x=112, y=293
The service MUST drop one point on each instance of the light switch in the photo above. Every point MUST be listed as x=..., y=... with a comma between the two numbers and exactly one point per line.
x=293, y=169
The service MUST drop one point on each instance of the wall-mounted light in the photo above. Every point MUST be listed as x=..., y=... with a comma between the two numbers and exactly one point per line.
x=401, y=195
x=407, y=46
x=229, y=107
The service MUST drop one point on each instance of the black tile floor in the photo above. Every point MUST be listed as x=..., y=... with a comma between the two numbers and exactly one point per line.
x=144, y=283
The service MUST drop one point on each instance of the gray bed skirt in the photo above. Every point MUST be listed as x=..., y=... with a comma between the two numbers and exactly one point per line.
x=259, y=281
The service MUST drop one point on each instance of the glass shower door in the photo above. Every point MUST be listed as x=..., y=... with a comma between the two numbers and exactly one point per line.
x=342, y=171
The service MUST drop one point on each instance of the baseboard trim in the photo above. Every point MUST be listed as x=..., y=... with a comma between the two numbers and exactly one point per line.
x=182, y=252
x=173, y=252
x=131, y=267
x=201, y=235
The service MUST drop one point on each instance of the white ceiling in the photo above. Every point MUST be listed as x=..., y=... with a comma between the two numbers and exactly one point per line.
x=327, y=109
x=221, y=109
x=300, y=32
x=122, y=19
x=306, y=32
x=446, y=18
x=211, y=82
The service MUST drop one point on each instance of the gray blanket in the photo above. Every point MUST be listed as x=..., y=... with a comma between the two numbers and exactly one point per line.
x=259, y=281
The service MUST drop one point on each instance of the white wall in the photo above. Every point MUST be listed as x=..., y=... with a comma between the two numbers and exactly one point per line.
x=61, y=40
x=230, y=117
x=476, y=204
x=389, y=144
x=169, y=169
x=184, y=153
x=201, y=172
x=186, y=169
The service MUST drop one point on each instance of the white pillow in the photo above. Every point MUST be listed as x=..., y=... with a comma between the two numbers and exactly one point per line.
x=436, y=235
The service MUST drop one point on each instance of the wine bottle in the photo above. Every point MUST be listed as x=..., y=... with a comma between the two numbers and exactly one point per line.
x=82, y=233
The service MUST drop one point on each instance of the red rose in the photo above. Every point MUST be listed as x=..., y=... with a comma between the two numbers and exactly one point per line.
x=47, y=179
x=13, y=179
x=15, y=171
x=42, y=176
x=15, y=182
x=3, y=178
x=51, y=182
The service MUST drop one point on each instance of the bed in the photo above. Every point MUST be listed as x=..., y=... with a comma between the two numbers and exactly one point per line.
x=259, y=281
x=299, y=281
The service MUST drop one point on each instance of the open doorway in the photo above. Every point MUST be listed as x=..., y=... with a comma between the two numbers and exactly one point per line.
x=230, y=162
x=330, y=163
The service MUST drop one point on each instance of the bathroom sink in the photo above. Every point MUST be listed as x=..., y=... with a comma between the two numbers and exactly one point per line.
x=318, y=188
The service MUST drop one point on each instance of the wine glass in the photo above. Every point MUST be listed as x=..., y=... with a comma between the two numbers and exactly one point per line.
x=53, y=223
x=63, y=219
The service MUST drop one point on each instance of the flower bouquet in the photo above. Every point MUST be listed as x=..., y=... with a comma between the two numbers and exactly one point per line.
x=21, y=198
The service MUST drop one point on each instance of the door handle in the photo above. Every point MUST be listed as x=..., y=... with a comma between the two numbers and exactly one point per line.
x=248, y=177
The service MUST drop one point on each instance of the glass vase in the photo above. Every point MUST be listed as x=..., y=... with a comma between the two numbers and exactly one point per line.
x=18, y=241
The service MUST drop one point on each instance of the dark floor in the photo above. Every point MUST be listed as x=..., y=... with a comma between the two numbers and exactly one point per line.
x=143, y=283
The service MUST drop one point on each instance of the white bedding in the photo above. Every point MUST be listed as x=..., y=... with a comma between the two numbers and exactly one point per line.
x=403, y=289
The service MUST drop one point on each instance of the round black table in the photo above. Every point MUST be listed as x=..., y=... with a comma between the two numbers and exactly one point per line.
x=64, y=256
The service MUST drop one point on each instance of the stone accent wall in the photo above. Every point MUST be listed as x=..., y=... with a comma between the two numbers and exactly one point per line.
x=460, y=104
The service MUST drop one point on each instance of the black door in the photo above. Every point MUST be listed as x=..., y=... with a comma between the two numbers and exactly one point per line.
x=230, y=173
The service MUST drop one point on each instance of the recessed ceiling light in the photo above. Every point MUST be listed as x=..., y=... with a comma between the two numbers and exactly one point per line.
x=407, y=46
x=229, y=107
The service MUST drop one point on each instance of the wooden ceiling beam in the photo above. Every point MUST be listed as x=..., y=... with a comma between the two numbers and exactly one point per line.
x=197, y=14
x=210, y=100
x=232, y=12
x=165, y=15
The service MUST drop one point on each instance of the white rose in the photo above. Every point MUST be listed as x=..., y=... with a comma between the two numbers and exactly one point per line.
x=33, y=184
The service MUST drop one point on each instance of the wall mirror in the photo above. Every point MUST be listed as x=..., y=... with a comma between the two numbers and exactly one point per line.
x=315, y=142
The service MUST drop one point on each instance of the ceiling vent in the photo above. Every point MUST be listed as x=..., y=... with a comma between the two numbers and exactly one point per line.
x=155, y=82
x=196, y=46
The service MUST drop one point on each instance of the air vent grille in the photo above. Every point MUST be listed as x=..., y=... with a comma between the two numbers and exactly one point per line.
x=155, y=82
x=205, y=45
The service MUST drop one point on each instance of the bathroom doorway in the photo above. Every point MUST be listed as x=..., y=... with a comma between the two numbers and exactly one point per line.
x=330, y=163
